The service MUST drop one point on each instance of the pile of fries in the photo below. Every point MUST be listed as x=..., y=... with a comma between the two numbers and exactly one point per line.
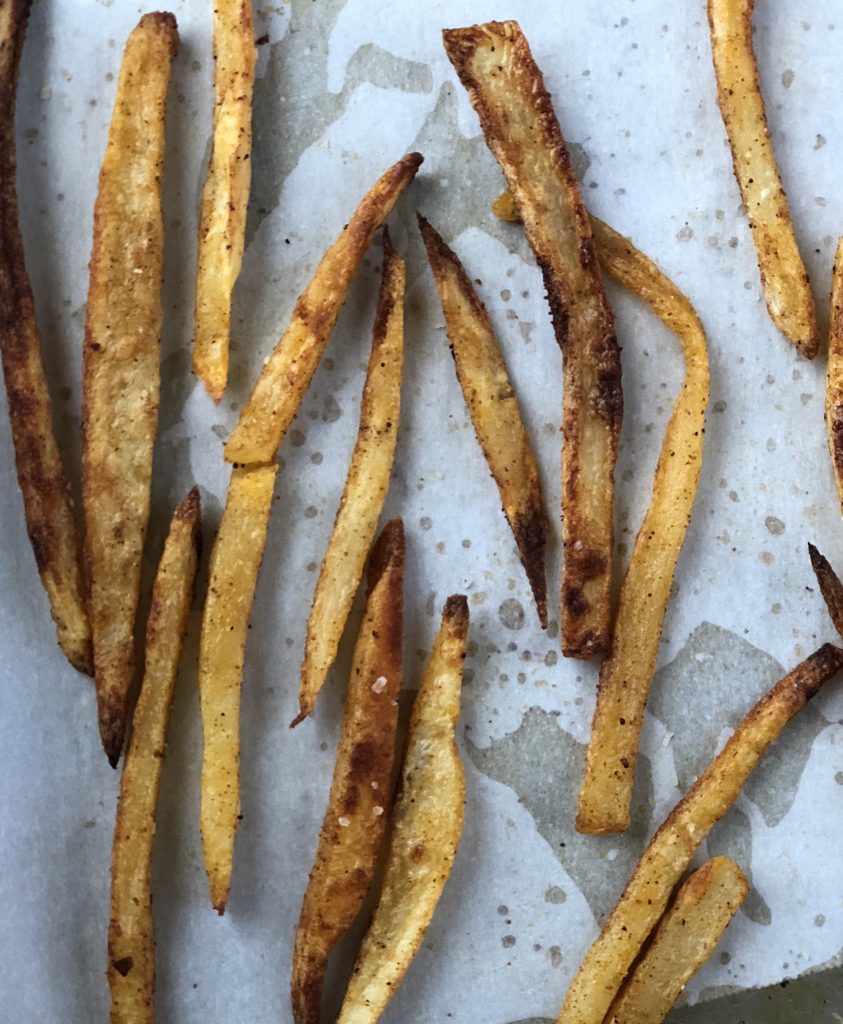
x=394, y=812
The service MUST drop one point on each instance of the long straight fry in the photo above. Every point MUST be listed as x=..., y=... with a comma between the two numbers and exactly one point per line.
x=491, y=400
x=426, y=828
x=233, y=573
x=131, y=942
x=507, y=90
x=222, y=221
x=647, y=892
x=121, y=363
x=290, y=368
x=834, y=373
x=354, y=822
x=41, y=477
x=365, y=487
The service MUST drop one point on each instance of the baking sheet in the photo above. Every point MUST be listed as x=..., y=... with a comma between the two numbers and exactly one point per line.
x=344, y=89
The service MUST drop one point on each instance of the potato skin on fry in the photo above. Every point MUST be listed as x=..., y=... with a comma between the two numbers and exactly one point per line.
x=47, y=507
x=121, y=363
x=354, y=823
x=830, y=587
x=834, y=373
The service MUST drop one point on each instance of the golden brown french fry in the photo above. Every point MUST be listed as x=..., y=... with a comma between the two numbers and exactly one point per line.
x=222, y=222
x=495, y=65
x=684, y=939
x=784, y=280
x=233, y=574
x=493, y=405
x=131, y=940
x=627, y=672
x=365, y=486
x=290, y=368
x=425, y=831
x=121, y=364
x=354, y=823
x=647, y=892
x=834, y=373
x=46, y=501
x=830, y=587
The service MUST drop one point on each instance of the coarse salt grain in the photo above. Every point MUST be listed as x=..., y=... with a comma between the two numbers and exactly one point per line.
x=345, y=822
x=374, y=785
x=377, y=811
x=379, y=685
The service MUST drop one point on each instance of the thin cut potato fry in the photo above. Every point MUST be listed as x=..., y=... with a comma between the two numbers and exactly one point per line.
x=222, y=222
x=131, y=942
x=289, y=369
x=506, y=88
x=627, y=672
x=647, y=892
x=354, y=823
x=684, y=939
x=784, y=280
x=426, y=828
x=834, y=373
x=233, y=574
x=365, y=486
x=830, y=587
x=46, y=500
x=121, y=364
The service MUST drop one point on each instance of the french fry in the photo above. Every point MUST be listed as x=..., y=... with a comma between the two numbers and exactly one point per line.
x=222, y=222
x=834, y=373
x=830, y=587
x=684, y=939
x=289, y=369
x=121, y=364
x=669, y=852
x=46, y=500
x=784, y=280
x=354, y=823
x=425, y=832
x=493, y=405
x=365, y=487
x=233, y=573
x=495, y=65
x=131, y=941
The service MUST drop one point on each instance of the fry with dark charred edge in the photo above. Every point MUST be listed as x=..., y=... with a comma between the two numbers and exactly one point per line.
x=493, y=405
x=121, y=364
x=834, y=373
x=662, y=864
x=365, y=487
x=290, y=367
x=46, y=500
x=131, y=940
x=830, y=587
x=495, y=65
x=355, y=818
x=222, y=221
x=233, y=574
x=684, y=939
x=425, y=832
x=784, y=280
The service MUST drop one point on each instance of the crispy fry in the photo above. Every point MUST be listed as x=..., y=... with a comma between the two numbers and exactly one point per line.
x=222, y=222
x=834, y=373
x=784, y=280
x=233, y=573
x=46, y=500
x=354, y=823
x=684, y=939
x=647, y=892
x=830, y=586
x=121, y=363
x=289, y=369
x=495, y=65
x=425, y=832
x=131, y=942
x=365, y=486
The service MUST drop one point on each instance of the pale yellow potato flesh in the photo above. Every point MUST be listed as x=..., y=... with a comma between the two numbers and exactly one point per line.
x=834, y=373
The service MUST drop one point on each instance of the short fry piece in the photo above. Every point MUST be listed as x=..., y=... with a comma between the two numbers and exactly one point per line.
x=830, y=586
x=121, y=363
x=684, y=939
x=496, y=67
x=41, y=477
x=784, y=280
x=365, y=487
x=834, y=373
x=233, y=574
x=222, y=221
x=354, y=823
x=290, y=368
x=647, y=892
x=131, y=942
x=426, y=828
